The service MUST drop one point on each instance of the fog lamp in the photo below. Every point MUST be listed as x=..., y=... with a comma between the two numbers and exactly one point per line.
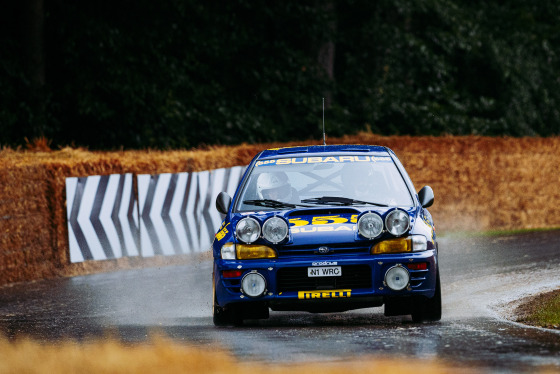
x=254, y=251
x=248, y=230
x=275, y=229
x=370, y=225
x=397, y=278
x=393, y=246
x=253, y=284
x=397, y=222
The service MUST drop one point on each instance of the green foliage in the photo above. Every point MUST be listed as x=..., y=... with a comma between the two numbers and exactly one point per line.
x=460, y=67
x=177, y=74
x=180, y=73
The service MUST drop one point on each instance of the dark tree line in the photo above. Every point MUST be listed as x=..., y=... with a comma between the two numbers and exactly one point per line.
x=179, y=73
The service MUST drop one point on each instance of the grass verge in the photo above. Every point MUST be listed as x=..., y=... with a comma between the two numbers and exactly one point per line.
x=542, y=311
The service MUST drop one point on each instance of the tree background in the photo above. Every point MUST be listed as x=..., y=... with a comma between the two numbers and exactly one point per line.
x=181, y=73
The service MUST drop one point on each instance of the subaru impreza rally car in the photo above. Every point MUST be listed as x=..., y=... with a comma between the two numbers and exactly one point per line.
x=325, y=229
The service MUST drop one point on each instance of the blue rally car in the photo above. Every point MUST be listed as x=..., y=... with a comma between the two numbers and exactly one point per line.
x=325, y=229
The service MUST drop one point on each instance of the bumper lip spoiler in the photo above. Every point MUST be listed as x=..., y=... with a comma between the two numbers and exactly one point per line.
x=326, y=305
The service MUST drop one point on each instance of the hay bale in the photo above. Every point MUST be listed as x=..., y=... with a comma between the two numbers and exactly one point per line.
x=480, y=183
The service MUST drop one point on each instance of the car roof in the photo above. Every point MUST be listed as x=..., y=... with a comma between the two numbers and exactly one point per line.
x=316, y=149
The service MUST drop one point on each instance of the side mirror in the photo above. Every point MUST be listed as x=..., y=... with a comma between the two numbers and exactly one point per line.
x=223, y=201
x=426, y=196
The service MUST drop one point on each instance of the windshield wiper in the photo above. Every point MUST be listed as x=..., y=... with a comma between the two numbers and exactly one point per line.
x=274, y=204
x=336, y=200
x=269, y=203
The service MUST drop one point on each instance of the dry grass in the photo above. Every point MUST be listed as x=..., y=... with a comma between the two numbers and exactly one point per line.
x=480, y=183
x=164, y=356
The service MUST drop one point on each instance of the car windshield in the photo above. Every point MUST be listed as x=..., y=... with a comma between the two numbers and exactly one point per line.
x=332, y=180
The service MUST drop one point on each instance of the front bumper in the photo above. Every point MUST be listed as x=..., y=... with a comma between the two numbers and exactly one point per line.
x=361, y=285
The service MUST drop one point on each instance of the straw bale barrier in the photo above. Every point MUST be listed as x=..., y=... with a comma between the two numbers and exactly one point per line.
x=480, y=183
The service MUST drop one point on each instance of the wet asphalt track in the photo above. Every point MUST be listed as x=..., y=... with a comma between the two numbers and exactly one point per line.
x=481, y=279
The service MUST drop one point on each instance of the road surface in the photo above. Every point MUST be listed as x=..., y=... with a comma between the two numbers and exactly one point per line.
x=482, y=280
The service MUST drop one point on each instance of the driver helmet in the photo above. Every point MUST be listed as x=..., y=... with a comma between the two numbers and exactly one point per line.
x=274, y=186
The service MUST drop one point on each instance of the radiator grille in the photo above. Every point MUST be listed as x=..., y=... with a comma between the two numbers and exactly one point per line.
x=335, y=249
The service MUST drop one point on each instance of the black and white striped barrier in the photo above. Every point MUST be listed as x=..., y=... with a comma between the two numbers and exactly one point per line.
x=173, y=213
x=177, y=211
x=102, y=217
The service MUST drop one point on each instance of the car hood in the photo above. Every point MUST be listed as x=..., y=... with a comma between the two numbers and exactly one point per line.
x=332, y=227
x=324, y=226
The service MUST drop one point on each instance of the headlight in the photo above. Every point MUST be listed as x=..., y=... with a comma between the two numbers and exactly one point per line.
x=397, y=278
x=275, y=230
x=248, y=230
x=370, y=225
x=397, y=222
x=228, y=251
x=392, y=246
x=251, y=252
x=253, y=284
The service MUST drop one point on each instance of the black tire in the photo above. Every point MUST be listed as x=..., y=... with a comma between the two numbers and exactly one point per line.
x=221, y=316
x=226, y=317
x=398, y=306
x=428, y=309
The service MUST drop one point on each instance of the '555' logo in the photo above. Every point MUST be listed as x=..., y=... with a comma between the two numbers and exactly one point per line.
x=323, y=220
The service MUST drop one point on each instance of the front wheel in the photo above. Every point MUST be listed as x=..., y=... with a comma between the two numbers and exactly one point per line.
x=225, y=317
x=428, y=309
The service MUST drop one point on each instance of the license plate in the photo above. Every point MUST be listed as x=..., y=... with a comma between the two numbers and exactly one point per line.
x=328, y=271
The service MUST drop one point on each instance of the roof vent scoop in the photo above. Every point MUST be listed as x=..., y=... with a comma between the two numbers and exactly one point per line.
x=284, y=151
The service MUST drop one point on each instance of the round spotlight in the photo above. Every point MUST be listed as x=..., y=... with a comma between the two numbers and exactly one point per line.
x=253, y=284
x=248, y=230
x=397, y=278
x=397, y=222
x=275, y=229
x=370, y=225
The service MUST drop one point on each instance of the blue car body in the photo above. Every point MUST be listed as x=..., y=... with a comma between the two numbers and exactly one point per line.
x=324, y=264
